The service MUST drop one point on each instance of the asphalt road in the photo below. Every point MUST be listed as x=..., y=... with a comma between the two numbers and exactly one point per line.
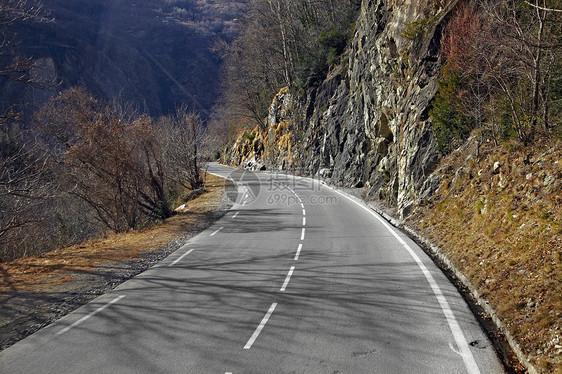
x=296, y=278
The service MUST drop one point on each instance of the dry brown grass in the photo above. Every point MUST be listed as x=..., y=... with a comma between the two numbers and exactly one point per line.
x=57, y=267
x=503, y=230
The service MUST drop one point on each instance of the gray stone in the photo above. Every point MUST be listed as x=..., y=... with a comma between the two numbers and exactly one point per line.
x=325, y=173
x=496, y=168
x=369, y=120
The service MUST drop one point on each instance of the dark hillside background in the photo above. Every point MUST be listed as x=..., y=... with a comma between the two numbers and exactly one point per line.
x=151, y=53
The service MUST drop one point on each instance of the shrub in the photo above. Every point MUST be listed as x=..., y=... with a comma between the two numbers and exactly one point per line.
x=451, y=126
x=250, y=136
x=332, y=43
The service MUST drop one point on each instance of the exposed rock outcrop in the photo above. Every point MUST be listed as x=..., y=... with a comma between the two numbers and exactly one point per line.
x=367, y=124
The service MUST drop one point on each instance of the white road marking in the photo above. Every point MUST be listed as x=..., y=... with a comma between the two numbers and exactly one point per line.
x=302, y=205
x=181, y=257
x=287, y=279
x=304, y=221
x=302, y=233
x=62, y=331
x=261, y=326
x=456, y=330
x=244, y=197
x=216, y=232
x=303, y=212
x=454, y=349
x=298, y=252
x=236, y=215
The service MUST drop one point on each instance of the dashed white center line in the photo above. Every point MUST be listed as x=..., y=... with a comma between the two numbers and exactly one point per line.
x=261, y=326
x=302, y=233
x=216, y=232
x=302, y=205
x=304, y=221
x=298, y=252
x=304, y=212
x=181, y=257
x=236, y=215
x=287, y=279
x=62, y=331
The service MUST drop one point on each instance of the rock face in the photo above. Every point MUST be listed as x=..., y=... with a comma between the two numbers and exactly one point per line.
x=367, y=125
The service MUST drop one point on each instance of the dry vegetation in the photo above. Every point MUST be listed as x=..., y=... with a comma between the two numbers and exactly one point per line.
x=58, y=270
x=498, y=217
x=39, y=272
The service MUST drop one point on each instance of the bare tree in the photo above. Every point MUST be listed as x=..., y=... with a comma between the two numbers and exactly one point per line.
x=25, y=185
x=280, y=43
x=125, y=167
x=505, y=57
x=179, y=136
x=13, y=12
x=25, y=190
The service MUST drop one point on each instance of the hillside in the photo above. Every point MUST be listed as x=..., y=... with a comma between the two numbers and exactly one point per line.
x=153, y=54
x=497, y=215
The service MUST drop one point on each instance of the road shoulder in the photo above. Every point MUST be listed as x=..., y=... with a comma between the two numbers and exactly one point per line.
x=36, y=291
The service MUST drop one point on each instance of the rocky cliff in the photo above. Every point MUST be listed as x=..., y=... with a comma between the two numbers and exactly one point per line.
x=493, y=210
x=367, y=124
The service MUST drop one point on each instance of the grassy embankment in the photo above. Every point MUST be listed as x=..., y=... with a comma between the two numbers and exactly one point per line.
x=498, y=217
x=59, y=266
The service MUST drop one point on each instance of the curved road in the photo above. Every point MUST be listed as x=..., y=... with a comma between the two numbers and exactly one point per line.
x=296, y=278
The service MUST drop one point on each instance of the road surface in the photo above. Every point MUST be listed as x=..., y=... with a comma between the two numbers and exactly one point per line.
x=296, y=278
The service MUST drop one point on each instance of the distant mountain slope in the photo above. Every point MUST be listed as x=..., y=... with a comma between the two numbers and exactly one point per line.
x=151, y=53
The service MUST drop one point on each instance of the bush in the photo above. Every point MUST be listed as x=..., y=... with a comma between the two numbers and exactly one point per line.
x=332, y=43
x=250, y=136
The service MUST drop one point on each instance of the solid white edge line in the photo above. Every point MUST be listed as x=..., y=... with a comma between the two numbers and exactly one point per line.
x=456, y=330
x=181, y=257
x=261, y=326
x=298, y=252
x=302, y=233
x=62, y=331
x=216, y=232
x=287, y=279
